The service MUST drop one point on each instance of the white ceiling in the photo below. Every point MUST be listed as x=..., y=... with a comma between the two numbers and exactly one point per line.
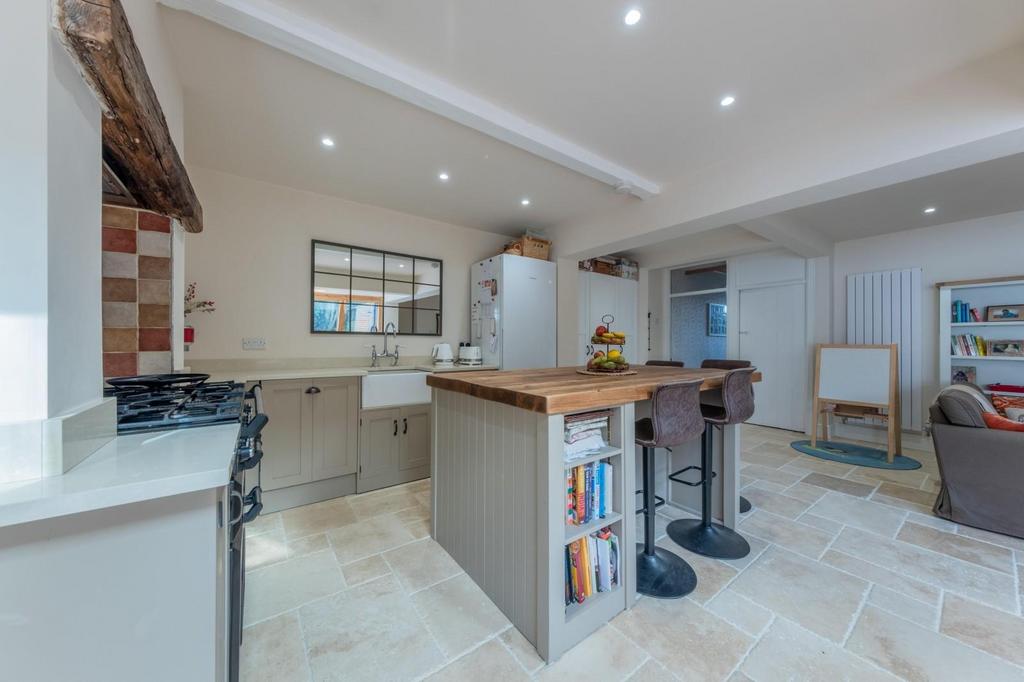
x=644, y=97
x=976, y=191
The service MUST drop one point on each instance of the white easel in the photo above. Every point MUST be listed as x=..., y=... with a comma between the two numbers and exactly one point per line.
x=858, y=381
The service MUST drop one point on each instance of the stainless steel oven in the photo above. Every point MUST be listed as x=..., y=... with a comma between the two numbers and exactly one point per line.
x=244, y=507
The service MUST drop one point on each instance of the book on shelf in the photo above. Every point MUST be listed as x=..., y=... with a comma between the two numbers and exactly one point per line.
x=585, y=433
x=588, y=494
x=591, y=566
x=969, y=345
x=963, y=312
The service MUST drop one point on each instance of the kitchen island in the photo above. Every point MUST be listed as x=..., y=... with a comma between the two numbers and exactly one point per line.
x=500, y=481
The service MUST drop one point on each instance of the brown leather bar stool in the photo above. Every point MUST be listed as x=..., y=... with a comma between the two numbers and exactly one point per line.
x=702, y=535
x=716, y=363
x=664, y=363
x=675, y=418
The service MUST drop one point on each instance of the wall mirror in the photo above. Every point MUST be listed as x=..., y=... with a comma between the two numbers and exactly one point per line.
x=365, y=291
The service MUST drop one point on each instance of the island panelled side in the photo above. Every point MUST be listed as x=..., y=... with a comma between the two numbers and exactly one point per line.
x=499, y=492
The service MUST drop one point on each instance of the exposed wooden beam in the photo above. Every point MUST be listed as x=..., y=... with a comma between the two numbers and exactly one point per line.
x=137, y=145
x=292, y=33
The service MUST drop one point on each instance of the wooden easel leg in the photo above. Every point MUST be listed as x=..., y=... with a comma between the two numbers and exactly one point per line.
x=814, y=429
x=893, y=426
x=825, y=419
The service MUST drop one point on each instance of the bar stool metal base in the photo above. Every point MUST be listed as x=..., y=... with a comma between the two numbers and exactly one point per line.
x=711, y=539
x=745, y=505
x=663, y=574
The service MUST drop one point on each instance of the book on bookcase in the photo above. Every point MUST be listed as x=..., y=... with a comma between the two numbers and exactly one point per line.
x=963, y=312
x=591, y=566
x=588, y=492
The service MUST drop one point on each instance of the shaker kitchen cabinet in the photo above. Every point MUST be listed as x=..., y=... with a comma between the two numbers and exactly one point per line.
x=394, y=446
x=311, y=439
x=601, y=295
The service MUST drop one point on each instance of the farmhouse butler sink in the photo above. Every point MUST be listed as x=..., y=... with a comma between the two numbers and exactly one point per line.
x=393, y=388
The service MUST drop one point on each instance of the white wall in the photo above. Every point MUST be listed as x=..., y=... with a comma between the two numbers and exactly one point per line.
x=973, y=249
x=253, y=259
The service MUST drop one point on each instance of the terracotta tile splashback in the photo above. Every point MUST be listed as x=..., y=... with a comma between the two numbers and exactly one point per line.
x=136, y=292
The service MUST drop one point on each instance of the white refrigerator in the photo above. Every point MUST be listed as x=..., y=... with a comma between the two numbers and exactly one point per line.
x=512, y=311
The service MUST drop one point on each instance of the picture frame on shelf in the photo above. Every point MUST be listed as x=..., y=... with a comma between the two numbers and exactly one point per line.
x=1004, y=313
x=963, y=374
x=1006, y=347
x=716, y=319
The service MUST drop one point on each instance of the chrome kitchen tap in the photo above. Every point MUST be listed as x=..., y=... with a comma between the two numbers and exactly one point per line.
x=389, y=328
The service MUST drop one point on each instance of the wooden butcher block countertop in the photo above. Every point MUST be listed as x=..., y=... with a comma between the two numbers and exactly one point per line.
x=562, y=389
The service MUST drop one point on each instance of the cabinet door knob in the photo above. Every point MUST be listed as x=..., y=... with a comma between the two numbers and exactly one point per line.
x=405, y=426
x=396, y=428
x=312, y=390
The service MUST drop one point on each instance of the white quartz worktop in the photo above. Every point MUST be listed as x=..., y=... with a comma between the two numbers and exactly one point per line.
x=263, y=374
x=128, y=469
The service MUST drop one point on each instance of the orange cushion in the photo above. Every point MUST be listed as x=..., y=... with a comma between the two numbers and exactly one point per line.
x=1001, y=402
x=994, y=421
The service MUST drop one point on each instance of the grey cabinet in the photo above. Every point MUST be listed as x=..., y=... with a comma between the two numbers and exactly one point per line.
x=313, y=430
x=394, y=446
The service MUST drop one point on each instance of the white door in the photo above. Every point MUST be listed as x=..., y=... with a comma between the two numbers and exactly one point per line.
x=772, y=335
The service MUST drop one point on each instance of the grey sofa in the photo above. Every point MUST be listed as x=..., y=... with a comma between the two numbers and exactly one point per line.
x=982, y=469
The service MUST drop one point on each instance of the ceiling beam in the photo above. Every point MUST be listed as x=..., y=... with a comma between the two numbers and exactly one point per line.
x=137, y=146
x=337, y=52
x=798, y=238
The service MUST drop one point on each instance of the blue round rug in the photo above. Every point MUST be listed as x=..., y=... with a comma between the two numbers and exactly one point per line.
x=858, y=455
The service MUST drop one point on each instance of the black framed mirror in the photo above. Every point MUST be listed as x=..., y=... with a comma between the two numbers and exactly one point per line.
x=355, y=290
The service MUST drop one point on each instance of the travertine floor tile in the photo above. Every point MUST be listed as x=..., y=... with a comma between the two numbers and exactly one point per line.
x=783, y=532
x=284, y=586
x=605, y=655
x=264, y=523
x=994, y=538
x=386, y=501
x=984, y=628
x=652, y=671
x=458, y=614
x=766, y=485
x=740, y=611
x=522, y=650
x=959, y=546
x=913, y=478
x=272, y=651
x=776, y=503
x=689, y=641
x=764, y=473
x=806, y=464
x=829, y=526
x=368, y=537
x=900, y=503
x=816, y=596
x=970, y=580
x=788, y=652
x=317, y=518
x=858, y=513
x=925, y=615
x=840, y=485
x=489, y=662
x=365, y=570
x=421, y=564
x=897, y=582
x=270, y=548
x=369, y=632
x=805, y=492
x=931, y=521
x=915, y=653
x=917, y=496
x=769, y=455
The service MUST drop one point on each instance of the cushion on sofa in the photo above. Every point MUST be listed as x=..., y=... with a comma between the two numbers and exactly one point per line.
x=961, y=408
x=995, y=421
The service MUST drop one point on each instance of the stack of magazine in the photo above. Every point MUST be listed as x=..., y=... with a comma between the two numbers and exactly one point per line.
x=585, y=433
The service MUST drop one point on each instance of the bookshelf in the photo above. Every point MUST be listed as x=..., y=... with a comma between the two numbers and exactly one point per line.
x=979, y=294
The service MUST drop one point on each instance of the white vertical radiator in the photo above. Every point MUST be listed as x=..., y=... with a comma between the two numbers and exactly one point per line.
x=885, y=307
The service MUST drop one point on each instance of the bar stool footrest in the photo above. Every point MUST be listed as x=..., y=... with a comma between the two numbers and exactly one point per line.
x=674, y=476
x=659, y=502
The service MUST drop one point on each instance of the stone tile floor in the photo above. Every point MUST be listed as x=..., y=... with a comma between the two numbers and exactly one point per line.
x=850, y=577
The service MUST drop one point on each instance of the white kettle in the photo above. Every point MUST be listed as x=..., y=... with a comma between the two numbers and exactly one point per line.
x=442, y=354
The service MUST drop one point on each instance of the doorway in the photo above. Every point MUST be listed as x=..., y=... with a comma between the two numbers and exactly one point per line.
x=697, y=313
x=772, y=335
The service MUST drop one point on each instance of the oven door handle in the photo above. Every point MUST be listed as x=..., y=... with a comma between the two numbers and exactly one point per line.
x=255, y=498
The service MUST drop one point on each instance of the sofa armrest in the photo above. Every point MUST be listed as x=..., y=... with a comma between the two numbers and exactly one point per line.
x=982, y=476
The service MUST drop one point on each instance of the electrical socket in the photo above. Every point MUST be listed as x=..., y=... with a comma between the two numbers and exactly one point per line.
x=254, y=343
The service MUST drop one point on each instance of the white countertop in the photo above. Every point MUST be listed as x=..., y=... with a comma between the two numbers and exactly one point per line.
x=128, y=469
x=257, y=374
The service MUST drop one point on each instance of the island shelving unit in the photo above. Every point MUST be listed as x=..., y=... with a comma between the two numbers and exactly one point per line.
x=499, y=488
x=980, y=294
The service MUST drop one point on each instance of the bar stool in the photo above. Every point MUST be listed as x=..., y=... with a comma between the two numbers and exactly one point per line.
x=664, y=363
x=715, y=363
x=675, y=418
x=702, y=535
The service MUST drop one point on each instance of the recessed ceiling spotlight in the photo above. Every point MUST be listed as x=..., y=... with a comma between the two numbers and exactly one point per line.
x=327, y=142
x=930, y=209
x=401, y=265
x=524, y=201
x=633, y=17
x=442, y=176
x=728, y=101
x=346, y=260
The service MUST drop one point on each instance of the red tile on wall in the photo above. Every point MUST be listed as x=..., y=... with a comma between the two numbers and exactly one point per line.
x=122, y=241
x=120, y=364
x=154, y=339
x=154, y=222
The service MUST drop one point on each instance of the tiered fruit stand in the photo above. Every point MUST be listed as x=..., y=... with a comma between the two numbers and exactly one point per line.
x=604, y=363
